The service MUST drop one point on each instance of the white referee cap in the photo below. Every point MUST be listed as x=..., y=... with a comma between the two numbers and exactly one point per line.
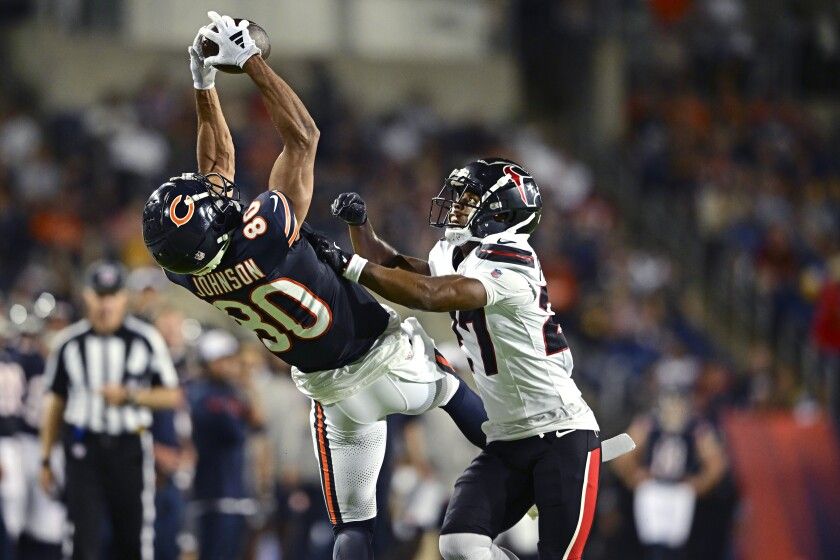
x=216, y=344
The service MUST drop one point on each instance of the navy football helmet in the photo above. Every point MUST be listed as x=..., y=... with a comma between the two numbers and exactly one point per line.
x=187, y=221
x=509, y=200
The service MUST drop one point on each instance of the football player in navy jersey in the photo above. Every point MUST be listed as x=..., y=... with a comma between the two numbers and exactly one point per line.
x=354, y=358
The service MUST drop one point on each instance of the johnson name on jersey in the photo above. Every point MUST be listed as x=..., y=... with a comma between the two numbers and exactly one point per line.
x=271, y=282
x=514, y=345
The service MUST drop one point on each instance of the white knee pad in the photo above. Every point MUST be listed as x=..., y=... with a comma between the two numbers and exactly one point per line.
x=470, y=546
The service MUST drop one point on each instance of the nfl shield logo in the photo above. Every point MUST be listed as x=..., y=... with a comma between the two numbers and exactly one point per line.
x=496, y=273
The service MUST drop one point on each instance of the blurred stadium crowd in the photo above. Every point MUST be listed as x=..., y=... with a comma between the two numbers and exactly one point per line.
x=710, y=269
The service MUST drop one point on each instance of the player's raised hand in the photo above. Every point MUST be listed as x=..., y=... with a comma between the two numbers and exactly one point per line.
x=235, y=42
x=351, y=208
x=204, y=77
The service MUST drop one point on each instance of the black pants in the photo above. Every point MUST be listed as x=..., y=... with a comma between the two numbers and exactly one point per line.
x=113, y=476
x=559, y=474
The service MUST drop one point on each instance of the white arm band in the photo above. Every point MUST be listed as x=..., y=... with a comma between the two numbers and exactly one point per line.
x=354, y=268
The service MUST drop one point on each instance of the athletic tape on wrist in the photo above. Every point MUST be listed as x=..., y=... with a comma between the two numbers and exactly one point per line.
x=354, y=268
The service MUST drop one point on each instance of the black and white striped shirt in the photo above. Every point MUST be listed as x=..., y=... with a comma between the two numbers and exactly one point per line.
x=82, y=362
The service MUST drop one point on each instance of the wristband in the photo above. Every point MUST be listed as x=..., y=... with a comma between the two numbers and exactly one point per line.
x=354, y=268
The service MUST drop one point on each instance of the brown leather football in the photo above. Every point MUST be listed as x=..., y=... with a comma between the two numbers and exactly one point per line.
x=258, y=34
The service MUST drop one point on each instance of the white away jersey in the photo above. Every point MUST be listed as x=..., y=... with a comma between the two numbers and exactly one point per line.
x=516, y=349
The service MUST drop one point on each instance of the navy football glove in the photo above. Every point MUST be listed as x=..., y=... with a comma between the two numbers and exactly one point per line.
x=351, y=208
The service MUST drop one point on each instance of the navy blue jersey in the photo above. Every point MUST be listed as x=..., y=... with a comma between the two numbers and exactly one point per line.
x=271, y=282
x=219, y=431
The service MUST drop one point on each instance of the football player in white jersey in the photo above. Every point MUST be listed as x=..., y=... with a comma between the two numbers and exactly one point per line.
x=543, y=442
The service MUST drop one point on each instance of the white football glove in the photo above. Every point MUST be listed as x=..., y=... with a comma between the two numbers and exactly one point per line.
x=235, y=43
x=204, y=77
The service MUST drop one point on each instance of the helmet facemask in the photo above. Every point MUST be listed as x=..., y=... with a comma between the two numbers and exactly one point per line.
x=444, y=205
x=486, y=217
x=226, y=199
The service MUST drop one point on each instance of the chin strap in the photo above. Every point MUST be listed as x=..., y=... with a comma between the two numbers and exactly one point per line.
x=463, y=235
x=460, y=236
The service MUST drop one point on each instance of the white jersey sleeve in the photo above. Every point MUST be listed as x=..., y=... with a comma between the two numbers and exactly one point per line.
x=504, y=284
x=508, y=283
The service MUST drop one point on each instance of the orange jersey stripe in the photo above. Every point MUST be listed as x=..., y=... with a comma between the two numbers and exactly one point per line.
x=295, y=235
x=288, y=219
x=325, y=469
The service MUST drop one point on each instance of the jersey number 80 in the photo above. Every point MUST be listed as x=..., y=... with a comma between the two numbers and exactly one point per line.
x=276, y=331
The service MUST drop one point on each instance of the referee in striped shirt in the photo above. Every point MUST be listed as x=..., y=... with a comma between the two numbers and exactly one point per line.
x=105, y=375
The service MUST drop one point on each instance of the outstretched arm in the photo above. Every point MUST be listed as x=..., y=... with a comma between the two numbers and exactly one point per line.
x=293, y=172
x=369, y=245
x=429, y=293
x=351, y=208
x=214, y=145
x=294, y=169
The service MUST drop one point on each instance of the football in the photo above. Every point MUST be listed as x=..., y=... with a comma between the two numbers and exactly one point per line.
x=258, y=34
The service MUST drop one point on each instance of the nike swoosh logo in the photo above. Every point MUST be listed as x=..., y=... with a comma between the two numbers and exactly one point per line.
x=503, y=242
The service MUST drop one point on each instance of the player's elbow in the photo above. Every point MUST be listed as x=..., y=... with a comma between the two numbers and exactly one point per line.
x=313, y=133
x=305, y=138
x=309, y=133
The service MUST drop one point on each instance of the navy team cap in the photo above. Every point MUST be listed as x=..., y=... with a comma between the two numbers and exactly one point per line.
x=106, y=277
